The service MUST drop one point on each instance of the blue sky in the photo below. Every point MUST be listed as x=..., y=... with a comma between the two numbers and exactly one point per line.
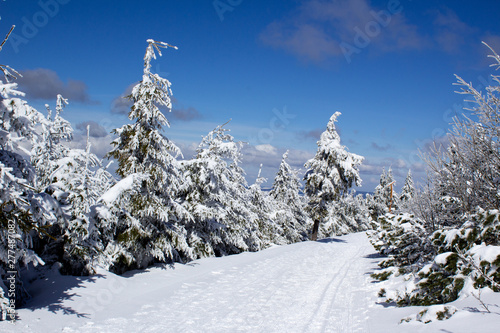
x=278, y=69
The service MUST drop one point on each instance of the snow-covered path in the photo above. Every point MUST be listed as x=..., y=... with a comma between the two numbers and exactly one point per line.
x=320, y=286
x=284, y=290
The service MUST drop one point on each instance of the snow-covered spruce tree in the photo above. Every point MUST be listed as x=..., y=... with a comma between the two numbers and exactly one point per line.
x=20, y=212
x=81, y=182
x=286, y=186
x=141, y=148
x=329, y=174
x=408, y=190
x=218, y=199
x=346, y=215
x=48, y=150
x=261, y=207
x=384, y=192
x=70, y=181
x=289, y=212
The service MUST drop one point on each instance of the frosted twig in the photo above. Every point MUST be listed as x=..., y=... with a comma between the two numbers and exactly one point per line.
x=6, y=37
x=478, y=297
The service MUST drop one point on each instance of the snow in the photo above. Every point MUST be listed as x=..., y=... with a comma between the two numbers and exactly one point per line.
x=442, y=258
x=322, y=286
x=123, y=185
x=482, y=252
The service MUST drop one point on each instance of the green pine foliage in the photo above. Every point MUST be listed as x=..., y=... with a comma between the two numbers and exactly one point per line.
x=454, y=257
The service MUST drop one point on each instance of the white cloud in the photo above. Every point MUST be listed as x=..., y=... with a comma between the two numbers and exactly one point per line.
x=267, y=148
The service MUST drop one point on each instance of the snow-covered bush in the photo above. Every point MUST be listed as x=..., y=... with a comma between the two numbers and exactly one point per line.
x=457, y=210
x=458, y=256
x=404, y=240
x=432, y=313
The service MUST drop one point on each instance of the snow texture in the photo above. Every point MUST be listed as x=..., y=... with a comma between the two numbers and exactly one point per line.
x=319, y=286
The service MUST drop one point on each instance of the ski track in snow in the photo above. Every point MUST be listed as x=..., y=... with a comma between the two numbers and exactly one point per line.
x=273, y=295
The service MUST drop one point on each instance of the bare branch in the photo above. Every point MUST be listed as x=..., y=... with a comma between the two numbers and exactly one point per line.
x=7, y=37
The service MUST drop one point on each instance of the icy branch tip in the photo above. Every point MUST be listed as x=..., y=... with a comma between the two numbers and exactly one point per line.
x=161, y=44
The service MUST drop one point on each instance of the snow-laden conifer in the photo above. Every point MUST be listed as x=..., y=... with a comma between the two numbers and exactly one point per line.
x=347, y=215
x=383, y=189
x=84, y=180
x=141, y=148
x=20, y=213
x=408, y=190
x=264, y=224
x=385, y=197
x=330, y=174
x=48, y=149
x=217, y=197
x=289, y=213
x=286, y=186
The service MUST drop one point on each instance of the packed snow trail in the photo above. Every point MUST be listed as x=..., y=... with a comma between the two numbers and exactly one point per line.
x=322, y=286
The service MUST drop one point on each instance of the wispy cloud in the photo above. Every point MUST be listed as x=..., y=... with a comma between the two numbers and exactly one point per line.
x=312, y=134
x=451, y=33
x=95, y=130
x=319, y=28
x=45, y=84
x=182, y=113
x=121, y=105
x=493, y=41
x=378, y=147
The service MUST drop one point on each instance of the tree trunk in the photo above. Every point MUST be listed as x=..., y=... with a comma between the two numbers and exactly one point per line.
x=314, y=235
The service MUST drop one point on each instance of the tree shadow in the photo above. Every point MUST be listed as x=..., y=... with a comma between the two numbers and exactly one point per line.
x=331, y=240
x=391, y=304
x=53, y=290
x=162, y=266
x=374, y=255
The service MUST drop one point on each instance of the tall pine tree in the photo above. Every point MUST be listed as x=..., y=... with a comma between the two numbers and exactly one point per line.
x=21, y=214
x=141, y=148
